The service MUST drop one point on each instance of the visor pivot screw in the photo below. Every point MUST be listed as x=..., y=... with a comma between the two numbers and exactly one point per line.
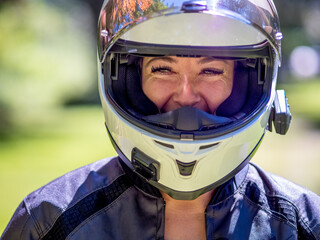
x=104, y=33
x=194, y=6
x=278, y=36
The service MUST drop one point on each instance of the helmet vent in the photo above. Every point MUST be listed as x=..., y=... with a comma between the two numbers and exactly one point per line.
x=165, y=144
x=185, y=169
x=208, y=146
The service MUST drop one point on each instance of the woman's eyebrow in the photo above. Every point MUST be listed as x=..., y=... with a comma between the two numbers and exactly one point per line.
x=164, y=58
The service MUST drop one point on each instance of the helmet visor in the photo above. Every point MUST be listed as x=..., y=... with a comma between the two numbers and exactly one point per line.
x=210, y=23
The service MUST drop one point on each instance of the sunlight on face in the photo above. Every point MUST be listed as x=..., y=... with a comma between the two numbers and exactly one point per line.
x=172, y=82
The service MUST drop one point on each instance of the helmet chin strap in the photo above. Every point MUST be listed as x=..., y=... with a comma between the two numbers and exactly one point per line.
x=187, y=119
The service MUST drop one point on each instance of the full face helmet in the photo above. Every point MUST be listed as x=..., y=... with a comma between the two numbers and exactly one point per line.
x=187, y=152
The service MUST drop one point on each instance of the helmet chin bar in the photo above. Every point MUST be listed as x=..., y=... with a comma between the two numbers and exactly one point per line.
x=191, y=195
x=149, y=170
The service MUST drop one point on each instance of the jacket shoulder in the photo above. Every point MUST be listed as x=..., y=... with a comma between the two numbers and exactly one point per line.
x=295, y=204
x=40, y=210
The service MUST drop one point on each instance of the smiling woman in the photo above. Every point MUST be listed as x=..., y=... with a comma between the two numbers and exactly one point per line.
x=203, y=83
x=185, y=109
x=208, y=79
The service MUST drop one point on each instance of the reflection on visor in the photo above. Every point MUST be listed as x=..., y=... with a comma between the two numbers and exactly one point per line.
x=123, y=20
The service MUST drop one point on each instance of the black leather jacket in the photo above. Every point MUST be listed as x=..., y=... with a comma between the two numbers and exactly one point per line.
x=105, y=200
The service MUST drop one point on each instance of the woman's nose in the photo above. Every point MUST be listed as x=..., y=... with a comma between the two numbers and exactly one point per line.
x=186, y=94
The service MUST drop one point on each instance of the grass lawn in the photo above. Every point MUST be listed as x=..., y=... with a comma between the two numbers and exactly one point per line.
x=304, y=99
x=72, y=138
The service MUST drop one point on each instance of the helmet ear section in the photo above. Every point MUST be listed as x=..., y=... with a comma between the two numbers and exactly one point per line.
x=117, y=83
x=127, y=89
x=246, y=92
x=136, y=97
x=238, y=96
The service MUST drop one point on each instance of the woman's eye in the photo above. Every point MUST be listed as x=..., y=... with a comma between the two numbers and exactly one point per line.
x=212, y=71
x=161, y=69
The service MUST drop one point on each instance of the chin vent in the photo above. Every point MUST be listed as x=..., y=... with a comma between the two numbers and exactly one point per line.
x=165, y=144
x=208, y=146
x=185, y=169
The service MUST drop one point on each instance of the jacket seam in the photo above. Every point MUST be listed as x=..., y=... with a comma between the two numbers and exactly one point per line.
x=24, y=226
x=156, y=221
x=81, y=197
x=160, y=216
x=84, y=195
x=308, y=229
x=101, y=211
x=235, y=192
x=297, y=210
x=32, y=217
x=270, y=213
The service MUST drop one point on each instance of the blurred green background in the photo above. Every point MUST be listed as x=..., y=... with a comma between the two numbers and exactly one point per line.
x=50, y=118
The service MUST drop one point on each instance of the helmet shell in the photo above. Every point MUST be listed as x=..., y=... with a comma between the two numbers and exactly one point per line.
x=187, y=164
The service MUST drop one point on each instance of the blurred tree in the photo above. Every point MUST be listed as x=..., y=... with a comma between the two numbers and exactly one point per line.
x=85, y=14
x=4, y=2
x=46, y=60
x=293, y=15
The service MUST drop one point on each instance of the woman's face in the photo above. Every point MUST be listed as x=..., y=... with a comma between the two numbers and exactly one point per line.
x=172, y=82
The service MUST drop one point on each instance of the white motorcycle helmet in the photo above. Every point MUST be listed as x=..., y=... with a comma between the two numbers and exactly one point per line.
x=187, y=152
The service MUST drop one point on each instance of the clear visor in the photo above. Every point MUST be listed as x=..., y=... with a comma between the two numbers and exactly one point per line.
x=172, y=95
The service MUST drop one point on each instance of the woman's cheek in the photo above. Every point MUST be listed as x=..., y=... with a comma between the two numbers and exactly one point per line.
x=214, y=94
x=158, y=91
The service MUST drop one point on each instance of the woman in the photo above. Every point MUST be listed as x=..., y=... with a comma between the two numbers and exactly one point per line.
x=188, y=90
